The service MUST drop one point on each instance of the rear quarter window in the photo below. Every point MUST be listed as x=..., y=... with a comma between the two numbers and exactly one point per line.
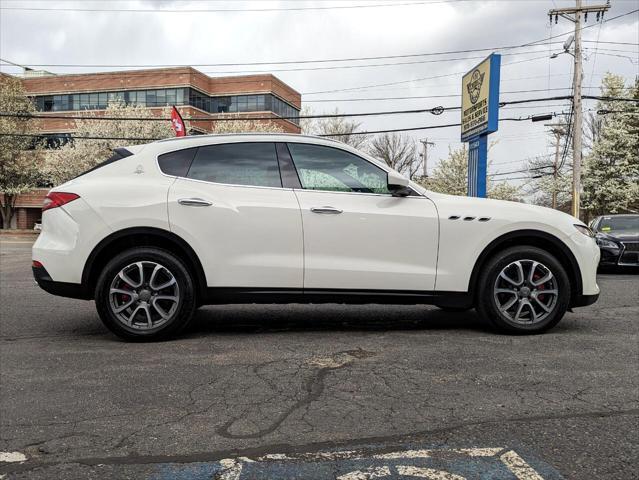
x=118, y=154
x=177, y=163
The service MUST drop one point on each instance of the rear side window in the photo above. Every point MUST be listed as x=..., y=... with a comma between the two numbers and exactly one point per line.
x=118, y=154
x=237, y=164
x=177, y=163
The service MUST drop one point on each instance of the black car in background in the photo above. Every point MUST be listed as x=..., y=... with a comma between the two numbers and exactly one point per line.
x=618, y=239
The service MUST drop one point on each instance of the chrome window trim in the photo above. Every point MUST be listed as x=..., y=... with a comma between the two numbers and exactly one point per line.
x=266, y=139
x=389, y=195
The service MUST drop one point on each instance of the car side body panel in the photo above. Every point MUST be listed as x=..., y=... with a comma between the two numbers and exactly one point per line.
x=247, y=237
x=469, y=225
x=377, y=242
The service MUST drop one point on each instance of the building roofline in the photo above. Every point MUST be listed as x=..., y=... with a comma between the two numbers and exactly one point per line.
x=186, y=68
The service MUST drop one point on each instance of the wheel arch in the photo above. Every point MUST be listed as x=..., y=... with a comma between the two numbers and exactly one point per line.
x=535, y=238
x=141, y=237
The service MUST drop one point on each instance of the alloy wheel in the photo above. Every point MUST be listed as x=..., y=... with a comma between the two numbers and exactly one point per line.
x=144, y=295
x=526, y=292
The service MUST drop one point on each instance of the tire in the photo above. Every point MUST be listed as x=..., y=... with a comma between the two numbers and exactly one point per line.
x=164, y=295
x=533, y=311
x=454, y=309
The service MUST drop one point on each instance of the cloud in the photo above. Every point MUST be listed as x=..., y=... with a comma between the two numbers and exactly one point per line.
x=189, y=38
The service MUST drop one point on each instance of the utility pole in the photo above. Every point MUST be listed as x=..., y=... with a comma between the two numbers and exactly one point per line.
x=426, y=144
x=574, y=15
x=558, y=131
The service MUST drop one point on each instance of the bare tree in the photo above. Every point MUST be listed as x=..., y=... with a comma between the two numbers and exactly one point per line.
x=337, y=128
x=398, y=151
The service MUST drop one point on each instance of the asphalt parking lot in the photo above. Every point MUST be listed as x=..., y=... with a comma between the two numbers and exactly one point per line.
x=317, y=392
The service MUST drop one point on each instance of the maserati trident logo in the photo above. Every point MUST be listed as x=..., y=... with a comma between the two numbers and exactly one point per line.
x=474, y=86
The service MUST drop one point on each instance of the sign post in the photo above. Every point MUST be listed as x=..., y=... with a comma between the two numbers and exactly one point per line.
x=480, y=117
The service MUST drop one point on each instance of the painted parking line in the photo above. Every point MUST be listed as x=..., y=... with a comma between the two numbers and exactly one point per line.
x=367, y=464
x=11, y=457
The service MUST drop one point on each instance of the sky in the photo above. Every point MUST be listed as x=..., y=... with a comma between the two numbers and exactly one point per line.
x=270, y=31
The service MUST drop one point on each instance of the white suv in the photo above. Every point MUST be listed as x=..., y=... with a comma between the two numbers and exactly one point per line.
x=160, y=229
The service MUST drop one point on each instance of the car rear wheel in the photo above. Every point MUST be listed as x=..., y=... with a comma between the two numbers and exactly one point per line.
x=523, y=290
x=145, y=294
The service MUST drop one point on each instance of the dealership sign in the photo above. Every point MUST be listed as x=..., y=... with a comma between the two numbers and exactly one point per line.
x=479, y=117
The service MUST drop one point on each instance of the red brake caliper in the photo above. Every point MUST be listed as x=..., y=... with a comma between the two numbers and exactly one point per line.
x=536, y=277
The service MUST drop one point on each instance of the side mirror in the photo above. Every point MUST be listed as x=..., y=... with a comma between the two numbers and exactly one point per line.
x=398, y=185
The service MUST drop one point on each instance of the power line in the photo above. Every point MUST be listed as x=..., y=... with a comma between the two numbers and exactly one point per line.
x=303, y=62
x=461, y=73
x=279, y=62
x=455, y=74
x=582, y=28
x=437, y=110
x=345, y=134
x=520, y=171
x=412, y=97
x=228, y=10
x=516, y=178
x=297, y=69
x=232, y=117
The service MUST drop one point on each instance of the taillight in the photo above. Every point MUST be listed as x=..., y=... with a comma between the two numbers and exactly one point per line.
x=57, y=199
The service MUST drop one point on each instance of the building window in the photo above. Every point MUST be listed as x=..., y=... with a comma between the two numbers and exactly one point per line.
x=165, y=97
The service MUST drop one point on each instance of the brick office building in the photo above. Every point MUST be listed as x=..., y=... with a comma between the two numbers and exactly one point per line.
x=192, y=92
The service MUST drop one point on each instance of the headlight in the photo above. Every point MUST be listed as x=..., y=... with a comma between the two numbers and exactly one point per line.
x=602, y=242
x=585, y=230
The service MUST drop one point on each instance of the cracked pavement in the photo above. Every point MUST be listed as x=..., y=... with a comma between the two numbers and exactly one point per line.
x=254, y=380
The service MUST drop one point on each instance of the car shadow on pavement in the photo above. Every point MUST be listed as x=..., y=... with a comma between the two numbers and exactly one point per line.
x=616, y=270
x=309, y=318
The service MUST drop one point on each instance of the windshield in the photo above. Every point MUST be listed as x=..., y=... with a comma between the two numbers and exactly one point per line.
x=619, y=223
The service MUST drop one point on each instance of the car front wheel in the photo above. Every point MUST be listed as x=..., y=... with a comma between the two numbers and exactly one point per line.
x=145, y=294
x=523, y=290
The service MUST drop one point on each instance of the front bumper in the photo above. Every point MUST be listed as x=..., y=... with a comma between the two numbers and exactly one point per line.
x=584, y=300
x=625, y=256
x=61, y=289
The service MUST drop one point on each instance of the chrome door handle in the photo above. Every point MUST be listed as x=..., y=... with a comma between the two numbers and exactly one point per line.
x=326, y=210
x=194, y=202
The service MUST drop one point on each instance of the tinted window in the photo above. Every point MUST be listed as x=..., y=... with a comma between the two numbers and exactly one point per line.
x=177, y=163
x=619, y=223
x=326, y=168
x=237, y=164
x=118, y=154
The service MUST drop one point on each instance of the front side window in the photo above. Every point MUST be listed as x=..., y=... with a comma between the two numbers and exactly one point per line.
x=334, y=170
x=237, y=164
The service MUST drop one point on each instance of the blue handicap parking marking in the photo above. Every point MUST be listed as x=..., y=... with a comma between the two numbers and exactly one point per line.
x=493, y=463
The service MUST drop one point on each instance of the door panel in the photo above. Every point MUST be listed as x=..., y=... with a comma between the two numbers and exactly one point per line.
x=245, y=228
x=247, y=237
x=377, y=242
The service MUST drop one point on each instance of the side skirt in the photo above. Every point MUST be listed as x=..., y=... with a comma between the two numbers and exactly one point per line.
x=223, y=295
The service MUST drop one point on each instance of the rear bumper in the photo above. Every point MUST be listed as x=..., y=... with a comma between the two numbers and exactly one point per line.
x=61, y=289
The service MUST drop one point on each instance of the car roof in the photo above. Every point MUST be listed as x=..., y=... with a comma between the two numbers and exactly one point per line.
x=251, y=135
x=172, y=144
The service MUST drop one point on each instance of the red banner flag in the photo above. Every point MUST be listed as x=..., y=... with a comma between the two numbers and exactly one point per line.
x=177, y=123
